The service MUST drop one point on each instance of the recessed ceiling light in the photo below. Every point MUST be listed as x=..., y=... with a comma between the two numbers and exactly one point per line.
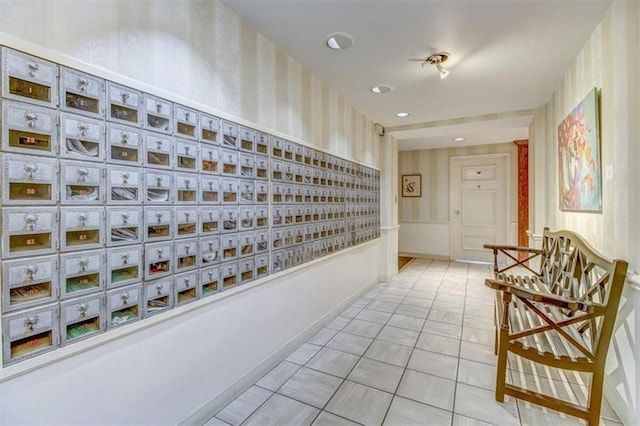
x=381, y=88
x=339, y=41
x=458, y=139
x=402, y=114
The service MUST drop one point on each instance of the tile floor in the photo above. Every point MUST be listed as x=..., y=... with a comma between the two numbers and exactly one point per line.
x=415, y=351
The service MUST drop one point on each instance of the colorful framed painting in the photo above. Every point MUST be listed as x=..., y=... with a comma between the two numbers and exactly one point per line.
x=412, y=185
x=579, y=168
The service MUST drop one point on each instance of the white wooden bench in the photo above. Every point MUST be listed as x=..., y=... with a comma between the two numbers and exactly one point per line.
x=561, y=315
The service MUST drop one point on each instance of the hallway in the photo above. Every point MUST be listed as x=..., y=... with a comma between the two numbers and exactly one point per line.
x=416, y=351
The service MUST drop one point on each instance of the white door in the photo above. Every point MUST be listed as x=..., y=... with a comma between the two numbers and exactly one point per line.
x=479, y=205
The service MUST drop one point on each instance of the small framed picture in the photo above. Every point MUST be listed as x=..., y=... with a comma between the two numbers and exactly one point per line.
x=412, y=185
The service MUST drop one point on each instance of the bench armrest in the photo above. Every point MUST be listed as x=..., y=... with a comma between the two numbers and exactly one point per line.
x=550, y=299
x=496, y=247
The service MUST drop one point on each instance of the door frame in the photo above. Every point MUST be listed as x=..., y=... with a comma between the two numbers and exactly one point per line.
x=506, y=156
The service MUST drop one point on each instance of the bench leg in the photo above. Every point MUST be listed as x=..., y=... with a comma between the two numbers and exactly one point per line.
x=595, y=397
x=501, y=368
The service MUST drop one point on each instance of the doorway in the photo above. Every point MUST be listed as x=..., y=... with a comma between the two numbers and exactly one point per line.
x=479, y=205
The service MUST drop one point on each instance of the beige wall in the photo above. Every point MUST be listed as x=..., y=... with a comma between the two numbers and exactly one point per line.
x=199, y=50
x=433, y=164
x=610, y=61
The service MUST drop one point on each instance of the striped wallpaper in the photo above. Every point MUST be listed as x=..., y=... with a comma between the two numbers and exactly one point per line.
x=202, y=51
x=433, y=164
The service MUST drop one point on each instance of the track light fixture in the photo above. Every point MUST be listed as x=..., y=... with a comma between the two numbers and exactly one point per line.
x=438, y=59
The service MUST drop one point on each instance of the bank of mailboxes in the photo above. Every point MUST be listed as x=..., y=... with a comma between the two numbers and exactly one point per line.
x=119, y=204
x=29, y=129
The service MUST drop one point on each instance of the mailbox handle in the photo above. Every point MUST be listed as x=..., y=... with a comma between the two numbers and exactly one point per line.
x=160, y=251
x=83, y=83
x=124, y=96
x=31, y=321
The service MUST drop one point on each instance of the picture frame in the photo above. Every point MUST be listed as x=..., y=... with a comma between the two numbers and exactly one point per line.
x=579, y=161
x=412, y=185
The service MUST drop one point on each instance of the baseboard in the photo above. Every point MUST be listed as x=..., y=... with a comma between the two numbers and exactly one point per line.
x=425, y=256
x=217, y=403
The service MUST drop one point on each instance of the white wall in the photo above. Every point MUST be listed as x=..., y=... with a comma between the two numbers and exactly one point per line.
x=199, y=53
x=610, y=61
x=421, y=238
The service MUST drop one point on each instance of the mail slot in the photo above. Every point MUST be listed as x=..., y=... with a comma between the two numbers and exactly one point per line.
x=123, y=226
x=277, y=193
x=158, y=150
x=229, y=163
x=158, y=223
x=186, y=120
x=288, y=172
x=307, y=178
x=124, y=265
x=308, y=156
x=29, y=231
x=124, y=145
x=246, y=270
x=289, y=236
x=230, y=247
x=186, y=222
x=186, y=288
x=288, y=193
x=229, y=272
x=229, y=191
x=229, y=135
x=82, y=273
x=246, y=240
x=298, y=153
x=209, y=250
x=262, y=143
x=29, y=282
x=277, y=147
x=262, y=192
x=158, y=259
x=261, y=239
x=29, y=180
x=186, y=154
x=186, y=188
x=246, y=190
x=261, y=265
x=83, y=138
x=210, y=280
x=158, y=187
x=210, y=159
x=247, y=139
x=158, y=114
x=186, y=254
x=277, y=239
x=124, y=185
x=288, y=148
x=230, y=216
x=209, y=220
x=81, y=228
x=247, y=217
x=82, y=183
x=262, y=217
x=81, y=93
x=261, y=167
x=298, y=255
x=124, y=305
x=210, y=190
x=289, y=215
x=125, y=104
x=158, y=296
x=247, y=165
x=27, y=78
x=28, y=333
x=277, y=261
x=298, y=214
x=298, y=173
x=81, y=318
x=29, y=129
x=210, y=128
x=277, y=216
x=277, y=170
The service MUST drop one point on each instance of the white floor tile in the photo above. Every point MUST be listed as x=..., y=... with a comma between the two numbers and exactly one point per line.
x=360, y=403
x=481, y=404
x=427, y=389
x=311, y=387
x=405, y=321
x=282, y=411
x=333, y=362
x=328, y=419
x=303, y=353
x=278, y=376
x=391, y=353
x=477, y=374
x=243, y=406
x=433, y=363
x=323, y=336
x=376, y=374
x=374, y=316
x=350, y=343
x=363, y=328
x=401, y=336
x=405, y=412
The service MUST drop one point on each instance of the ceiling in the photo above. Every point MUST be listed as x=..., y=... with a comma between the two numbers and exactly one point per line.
x=506, y=56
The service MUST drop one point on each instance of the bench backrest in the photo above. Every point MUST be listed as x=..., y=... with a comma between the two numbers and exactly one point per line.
x=573, y=269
